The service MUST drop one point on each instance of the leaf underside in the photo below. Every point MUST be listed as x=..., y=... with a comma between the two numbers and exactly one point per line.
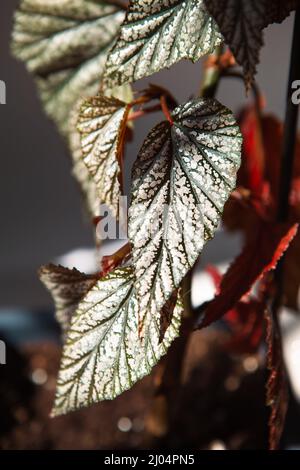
x=278, y=10
x=68, y=287
x=241, y=22
x=102, y=123
x=157, y=34
x=181, y=180
x=103, y=355
x=64, y=44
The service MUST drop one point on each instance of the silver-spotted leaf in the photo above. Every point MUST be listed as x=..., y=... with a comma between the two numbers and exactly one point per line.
x=68, y=287
x=64, y=43
x=102, y=124
x=157, y=34
x=86, y=181
x=241, y=23
x=181, y=180
x=103, y=355
x=80, y=172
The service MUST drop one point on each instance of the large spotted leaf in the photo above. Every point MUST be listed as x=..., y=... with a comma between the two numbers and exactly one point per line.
x=181, y=180
x=64, y=44
x=241, y=23
x=68, y=287
x=102, y=125
x=157, y=34
x=103, y=355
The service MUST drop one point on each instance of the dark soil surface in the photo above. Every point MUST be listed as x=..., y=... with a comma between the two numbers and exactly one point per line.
x=220, y=404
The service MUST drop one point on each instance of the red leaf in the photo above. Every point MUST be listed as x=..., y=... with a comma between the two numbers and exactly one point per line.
x=262, y=152
x=245, y=320
x=262, y=148
x=243, y=212
x=272, y=130
x=295, y=194
x=215, y=275
x=246, y=324
x=253, y=161
x=260, y=255
x=277, y=390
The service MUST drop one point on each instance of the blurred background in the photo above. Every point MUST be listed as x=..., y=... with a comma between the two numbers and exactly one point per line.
x=42, y=219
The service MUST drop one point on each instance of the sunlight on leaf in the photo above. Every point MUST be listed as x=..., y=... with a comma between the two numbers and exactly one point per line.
x=68, y=287
x=181, y=180
x=102, y=124
x=157, y=34
x=103, y=355
x=90, y=192
x=64, y=44
x=80, y=172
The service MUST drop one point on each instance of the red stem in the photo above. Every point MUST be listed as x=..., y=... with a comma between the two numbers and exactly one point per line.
x=142, y=112
x=165, y=109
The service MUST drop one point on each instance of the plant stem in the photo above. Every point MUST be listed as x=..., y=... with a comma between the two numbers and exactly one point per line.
x=143, y=112
x=255, y=89
x=211, y=80
x=290, y=128
x=165, y=109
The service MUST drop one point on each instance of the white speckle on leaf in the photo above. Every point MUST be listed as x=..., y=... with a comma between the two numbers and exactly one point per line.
x=181, y=180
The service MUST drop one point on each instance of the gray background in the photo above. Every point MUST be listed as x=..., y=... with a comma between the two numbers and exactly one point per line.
x=40, y=207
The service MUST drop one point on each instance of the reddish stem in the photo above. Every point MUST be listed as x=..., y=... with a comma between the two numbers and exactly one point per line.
x=111, y=262
x=142, y=112
x=140, y=100
x=165, y=109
